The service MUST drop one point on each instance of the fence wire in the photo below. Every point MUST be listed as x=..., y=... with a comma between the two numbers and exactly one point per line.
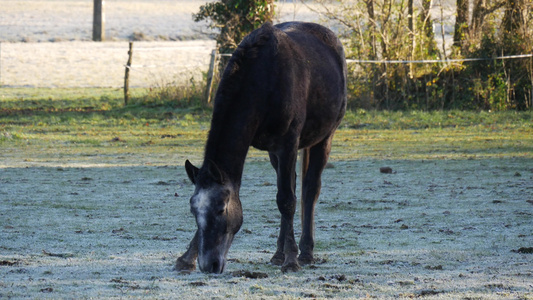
x=88, y=64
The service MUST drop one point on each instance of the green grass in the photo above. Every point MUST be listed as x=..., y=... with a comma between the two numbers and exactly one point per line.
x=362, y=119
x=73, y=123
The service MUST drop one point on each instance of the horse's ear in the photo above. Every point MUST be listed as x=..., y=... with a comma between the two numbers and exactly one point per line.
x=214, y=172
x=192, y=171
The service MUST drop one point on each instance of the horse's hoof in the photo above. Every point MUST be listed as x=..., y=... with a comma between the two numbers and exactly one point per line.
x=290, y=267
x=184, y=266
x=277, y=259
x=306, y=259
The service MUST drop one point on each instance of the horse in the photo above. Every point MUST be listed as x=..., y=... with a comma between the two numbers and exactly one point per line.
x=284, y=89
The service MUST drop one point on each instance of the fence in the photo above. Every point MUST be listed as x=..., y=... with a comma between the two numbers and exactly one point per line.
x=87, y=64
x=445, y=62
x=468, y=83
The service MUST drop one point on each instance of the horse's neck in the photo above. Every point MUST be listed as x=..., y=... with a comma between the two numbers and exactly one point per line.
x=228, y=143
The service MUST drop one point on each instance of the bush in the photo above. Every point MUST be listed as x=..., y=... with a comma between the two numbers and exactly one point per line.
x=234, y=19
x=189, y=94
x=385, y=30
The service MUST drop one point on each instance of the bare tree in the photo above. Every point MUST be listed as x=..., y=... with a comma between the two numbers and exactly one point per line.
x=480, y=11
x=513, y=18
x=372, y=29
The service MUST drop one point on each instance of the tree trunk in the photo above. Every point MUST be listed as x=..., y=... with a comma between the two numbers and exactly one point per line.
x=478, y=16
x=427, y=28
x=410, y=24
x=461, y=23
x=513, y=19
x=481, y=10
x=372, y=29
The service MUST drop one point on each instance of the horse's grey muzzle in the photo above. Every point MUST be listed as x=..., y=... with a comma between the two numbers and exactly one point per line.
x=212, y=265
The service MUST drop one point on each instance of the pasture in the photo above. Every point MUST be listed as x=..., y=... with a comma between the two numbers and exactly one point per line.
x=94, y=203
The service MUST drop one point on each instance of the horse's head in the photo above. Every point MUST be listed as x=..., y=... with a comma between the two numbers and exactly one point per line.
x=218, y=212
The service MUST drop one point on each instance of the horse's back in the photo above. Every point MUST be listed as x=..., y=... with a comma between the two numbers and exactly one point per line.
x=301, y=31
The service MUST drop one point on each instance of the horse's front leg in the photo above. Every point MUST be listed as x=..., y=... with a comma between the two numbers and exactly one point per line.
x=286, y=201
x=187, y=262
x=278, y=257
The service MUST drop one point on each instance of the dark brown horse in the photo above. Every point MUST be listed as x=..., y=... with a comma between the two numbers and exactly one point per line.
x=284, y=89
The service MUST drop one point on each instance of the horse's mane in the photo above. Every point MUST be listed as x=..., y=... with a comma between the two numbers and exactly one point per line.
x=249, y=48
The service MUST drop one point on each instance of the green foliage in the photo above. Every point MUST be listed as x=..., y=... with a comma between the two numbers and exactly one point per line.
x=507, y=83
x=417, y=119
x=235, y=19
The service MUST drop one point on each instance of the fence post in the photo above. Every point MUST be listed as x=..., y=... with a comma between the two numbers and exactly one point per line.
x=531, y=78
x=210, y=76
x=98, y=21
x=0, y=63
x=127, y=76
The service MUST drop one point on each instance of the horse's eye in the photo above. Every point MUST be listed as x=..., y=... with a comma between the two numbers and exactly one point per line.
x=221, y=210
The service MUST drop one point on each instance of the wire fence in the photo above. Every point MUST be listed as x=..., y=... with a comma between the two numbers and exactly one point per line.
x=432, y=61
x=88, y=64
x=429, y=61
x=403, y=89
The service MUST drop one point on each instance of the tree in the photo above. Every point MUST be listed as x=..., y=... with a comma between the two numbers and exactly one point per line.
x=235, y=19
x=372, y=28
x=461, y=23
x=513, y=18
x=481, y=10
x=376, y=30
x=428, y=36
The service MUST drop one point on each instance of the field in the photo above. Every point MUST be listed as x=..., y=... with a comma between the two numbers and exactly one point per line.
x=94, y=200
x=94, y=204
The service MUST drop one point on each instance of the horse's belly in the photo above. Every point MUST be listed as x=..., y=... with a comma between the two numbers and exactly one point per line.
x=312, y=133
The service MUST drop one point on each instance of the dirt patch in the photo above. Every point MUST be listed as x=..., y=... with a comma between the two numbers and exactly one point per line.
x=119, y=233
x=524, y=250
x=248, y=274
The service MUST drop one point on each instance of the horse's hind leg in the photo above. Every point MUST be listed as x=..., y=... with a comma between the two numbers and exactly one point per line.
x=187, y=262
x=313, y=162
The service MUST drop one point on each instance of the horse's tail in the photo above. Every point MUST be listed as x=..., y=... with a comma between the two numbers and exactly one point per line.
x=304, y=154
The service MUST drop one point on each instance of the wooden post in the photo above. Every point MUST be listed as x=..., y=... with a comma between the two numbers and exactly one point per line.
x=210, y=76
x=0, y=63
x=98, y=21
x=531, y=78
x=127, y=76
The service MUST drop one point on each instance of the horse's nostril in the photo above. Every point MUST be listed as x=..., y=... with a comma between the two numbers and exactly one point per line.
x=214, y=267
